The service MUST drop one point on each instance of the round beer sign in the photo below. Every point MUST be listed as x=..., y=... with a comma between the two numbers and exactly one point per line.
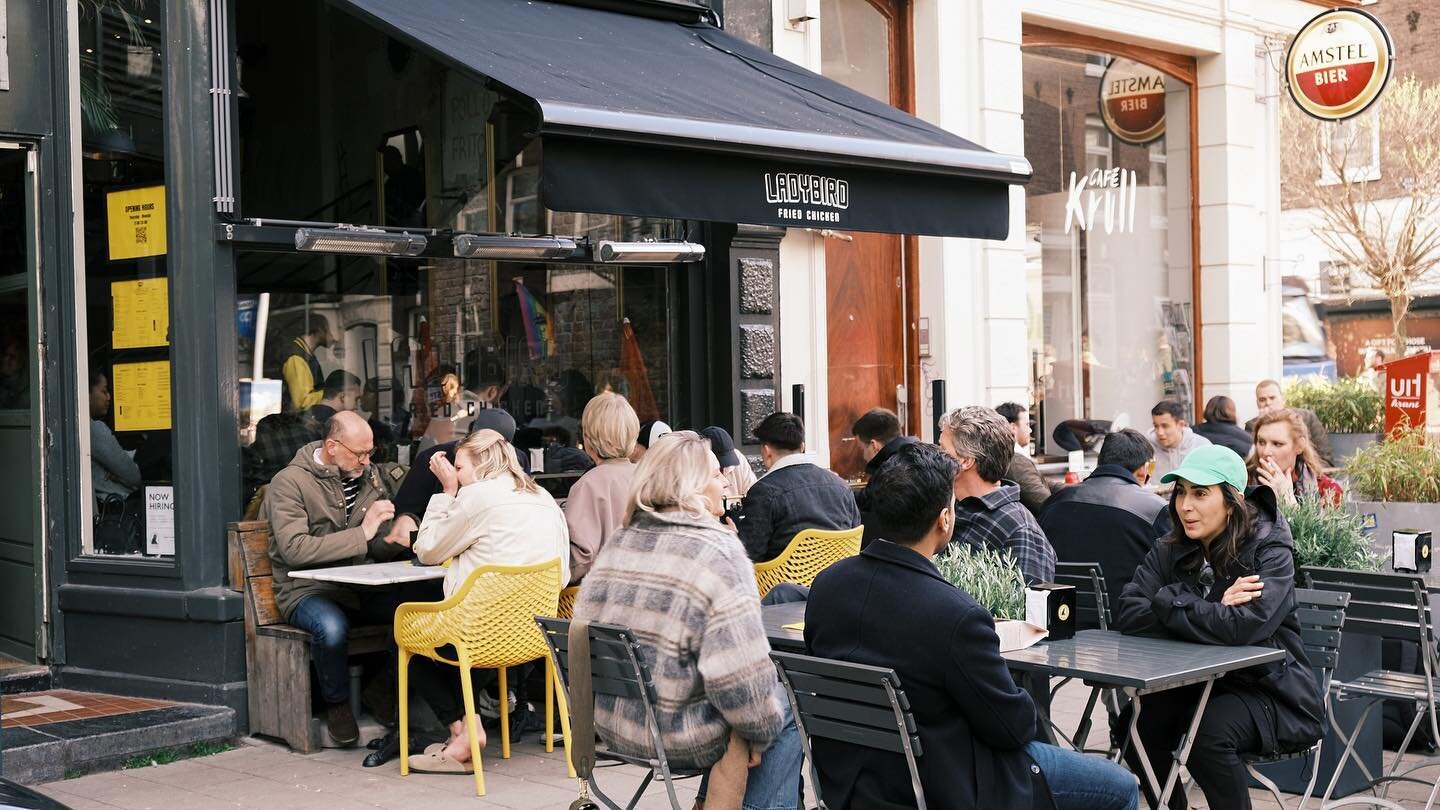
x=1338, y=63
x=1132, y=101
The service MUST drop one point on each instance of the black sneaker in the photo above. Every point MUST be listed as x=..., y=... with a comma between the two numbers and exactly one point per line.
x=340, y=722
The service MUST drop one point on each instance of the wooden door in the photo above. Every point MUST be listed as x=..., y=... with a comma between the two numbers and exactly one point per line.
x=865, y=44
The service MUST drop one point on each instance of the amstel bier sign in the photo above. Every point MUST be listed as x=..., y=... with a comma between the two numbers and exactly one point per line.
x=1132, y=101
x=1339, y=63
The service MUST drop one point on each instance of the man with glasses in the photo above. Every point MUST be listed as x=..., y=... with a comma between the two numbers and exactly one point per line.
x=328, y=507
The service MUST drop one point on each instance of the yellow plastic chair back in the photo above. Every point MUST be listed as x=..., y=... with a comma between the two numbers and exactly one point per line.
x=567, y=602
x=812, y=551
x=490, y=621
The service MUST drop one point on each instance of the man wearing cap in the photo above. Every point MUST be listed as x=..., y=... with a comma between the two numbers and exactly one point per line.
x=420, y=483
x=649, y=432
x=738, y=475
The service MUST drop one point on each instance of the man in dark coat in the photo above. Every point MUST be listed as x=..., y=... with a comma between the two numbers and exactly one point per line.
x=795, y=494
x=878, y=433
x=1269, y=396
x=1109, y=518
x=889, y=607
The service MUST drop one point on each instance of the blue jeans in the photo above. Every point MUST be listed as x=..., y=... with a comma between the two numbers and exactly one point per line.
x=774, y=784
x=329, y=626
x=1084, y=782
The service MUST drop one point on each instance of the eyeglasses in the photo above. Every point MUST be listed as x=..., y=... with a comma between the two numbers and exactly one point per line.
x=356, y=453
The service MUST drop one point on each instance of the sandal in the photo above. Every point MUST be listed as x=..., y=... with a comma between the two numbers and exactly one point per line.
x=438, y=762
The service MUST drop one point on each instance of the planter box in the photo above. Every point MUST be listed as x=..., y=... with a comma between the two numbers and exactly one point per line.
x=1344, y=445
x=1383, y=517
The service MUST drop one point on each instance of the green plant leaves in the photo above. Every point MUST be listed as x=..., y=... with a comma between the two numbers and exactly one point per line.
x=1328, y=536
x=1351, y=405
x=992, y=578
x=1401, y=468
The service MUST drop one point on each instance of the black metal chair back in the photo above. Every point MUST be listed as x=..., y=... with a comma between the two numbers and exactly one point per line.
x=1092, y=603
x=852, y=703
x=616, y=669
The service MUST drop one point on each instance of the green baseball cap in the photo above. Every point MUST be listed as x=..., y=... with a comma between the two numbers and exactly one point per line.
x=1211, y=464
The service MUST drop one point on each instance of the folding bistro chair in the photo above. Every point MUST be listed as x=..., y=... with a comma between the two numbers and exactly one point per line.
x=1092, y=612
x=852, y=703
x=1322, y=616
x=616, y=669
x=1389, y=606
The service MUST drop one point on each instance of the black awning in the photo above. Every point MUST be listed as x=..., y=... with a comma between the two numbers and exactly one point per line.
x=651, y=117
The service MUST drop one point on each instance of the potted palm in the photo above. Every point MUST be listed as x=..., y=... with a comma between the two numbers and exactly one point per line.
x=1351, y=409
x=993, y=579
x=1395, y=485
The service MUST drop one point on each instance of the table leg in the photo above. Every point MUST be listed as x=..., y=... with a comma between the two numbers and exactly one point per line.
x=1042, y=708
x=1182, y=754
x=1147, y=772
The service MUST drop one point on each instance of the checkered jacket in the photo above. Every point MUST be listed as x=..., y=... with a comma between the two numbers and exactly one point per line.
x=1000, y=521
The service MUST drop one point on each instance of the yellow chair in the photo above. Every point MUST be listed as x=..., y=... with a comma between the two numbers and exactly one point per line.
x=490, y=621
x=812, y=551
x=567, y=602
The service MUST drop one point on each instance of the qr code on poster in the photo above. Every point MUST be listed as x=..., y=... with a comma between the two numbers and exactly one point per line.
x=142, y=234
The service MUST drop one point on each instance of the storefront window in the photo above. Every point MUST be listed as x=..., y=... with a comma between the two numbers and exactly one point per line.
x=126, y=291
x=1108, y=255
x=419, y=345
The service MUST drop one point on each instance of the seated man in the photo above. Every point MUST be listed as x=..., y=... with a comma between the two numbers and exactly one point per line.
x=1108, y=518
x=795, y=493
x=1171, y=437
x=330, y=507
x=976, y=726
x=878, y=433
x=1034, y=489
x=341, y=393
x=990, y=513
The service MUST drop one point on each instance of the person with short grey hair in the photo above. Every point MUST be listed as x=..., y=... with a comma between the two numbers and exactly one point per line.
x=989, y=512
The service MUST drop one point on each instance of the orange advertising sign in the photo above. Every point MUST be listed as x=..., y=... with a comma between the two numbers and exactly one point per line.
x=1407, y=389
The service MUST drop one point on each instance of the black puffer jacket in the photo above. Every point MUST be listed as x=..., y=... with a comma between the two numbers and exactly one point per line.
x=1176, y=594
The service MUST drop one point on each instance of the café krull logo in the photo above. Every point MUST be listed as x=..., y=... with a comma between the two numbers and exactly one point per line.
x=1339, y=63
x=803, y=196
x=1132, y=101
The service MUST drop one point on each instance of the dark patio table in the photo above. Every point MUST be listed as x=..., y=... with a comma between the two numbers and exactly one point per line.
x=776, y=617
x=1106, y=659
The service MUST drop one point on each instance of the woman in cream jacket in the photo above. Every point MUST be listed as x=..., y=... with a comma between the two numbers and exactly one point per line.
x=490, y=513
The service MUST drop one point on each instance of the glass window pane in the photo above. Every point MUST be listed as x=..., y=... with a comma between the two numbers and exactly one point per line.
x=855, y=46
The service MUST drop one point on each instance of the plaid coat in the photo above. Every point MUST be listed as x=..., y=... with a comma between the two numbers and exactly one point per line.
x=685, y=587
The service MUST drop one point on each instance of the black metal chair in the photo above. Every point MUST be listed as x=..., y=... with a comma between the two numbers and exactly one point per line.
x=1394, y=606
x=1092, y=603
x=1322, y=617
x=852, y=703
x=616, y=669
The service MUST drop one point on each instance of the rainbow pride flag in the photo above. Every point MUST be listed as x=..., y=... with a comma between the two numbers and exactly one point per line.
x=539, y=326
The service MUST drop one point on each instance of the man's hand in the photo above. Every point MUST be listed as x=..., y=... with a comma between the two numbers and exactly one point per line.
x=375, y=516
x=445, y=474
x=400, y=530
x=1243, y=592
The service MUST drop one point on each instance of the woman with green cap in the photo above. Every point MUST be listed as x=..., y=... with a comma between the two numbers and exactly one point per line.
x=1224, y=575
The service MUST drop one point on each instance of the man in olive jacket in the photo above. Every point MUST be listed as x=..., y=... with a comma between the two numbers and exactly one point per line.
x=328, y=507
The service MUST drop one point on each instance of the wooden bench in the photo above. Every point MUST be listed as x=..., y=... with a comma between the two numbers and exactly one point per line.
x=277, y=655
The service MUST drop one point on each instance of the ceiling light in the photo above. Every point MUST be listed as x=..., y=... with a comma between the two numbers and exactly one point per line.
x=349, y=239
x=648, y=252
x=473, y=246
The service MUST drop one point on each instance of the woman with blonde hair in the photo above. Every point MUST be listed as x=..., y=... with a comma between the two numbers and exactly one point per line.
x=681, y=581
x=489, y=513
x=1285, y=460
x=599, y=500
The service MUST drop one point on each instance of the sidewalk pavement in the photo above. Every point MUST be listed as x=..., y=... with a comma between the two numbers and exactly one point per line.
x=263, y=774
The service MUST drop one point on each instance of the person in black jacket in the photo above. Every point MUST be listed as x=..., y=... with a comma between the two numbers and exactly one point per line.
x=1108, y=518
x=1220, y=427
x=1225, y=575
x=795, y=494
x=878, y=433
x=889, y=607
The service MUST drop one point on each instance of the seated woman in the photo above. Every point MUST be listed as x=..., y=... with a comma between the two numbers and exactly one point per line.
x=599, y=500
x=1224, y=575
x=1220, y=427
x=681, y=581
x=489, y=513
x=1286, y=461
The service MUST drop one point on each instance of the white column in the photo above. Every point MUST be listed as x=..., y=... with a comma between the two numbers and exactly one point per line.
x=967, y=77
x=1232, y=282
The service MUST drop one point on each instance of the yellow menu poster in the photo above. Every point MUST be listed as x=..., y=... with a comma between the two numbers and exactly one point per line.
x=141, y=312
x=142, y=395
x=136, y=220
